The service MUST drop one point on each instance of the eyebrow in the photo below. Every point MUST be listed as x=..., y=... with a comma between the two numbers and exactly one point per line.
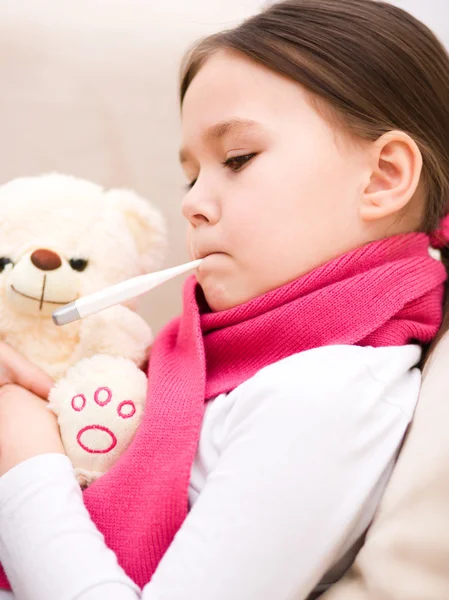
x=221, y=130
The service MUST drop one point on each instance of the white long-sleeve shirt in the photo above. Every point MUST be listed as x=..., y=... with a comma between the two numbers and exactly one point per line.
x=289, y=470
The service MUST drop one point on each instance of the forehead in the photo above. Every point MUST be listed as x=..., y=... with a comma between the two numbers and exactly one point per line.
x=229, y=85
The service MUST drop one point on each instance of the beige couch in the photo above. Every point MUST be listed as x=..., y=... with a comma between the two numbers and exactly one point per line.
x=406, y=551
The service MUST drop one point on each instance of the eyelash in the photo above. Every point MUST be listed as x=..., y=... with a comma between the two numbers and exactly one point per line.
x=237, y=161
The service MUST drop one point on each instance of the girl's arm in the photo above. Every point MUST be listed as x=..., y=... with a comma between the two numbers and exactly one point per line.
x=304, y=461
x=49, y=546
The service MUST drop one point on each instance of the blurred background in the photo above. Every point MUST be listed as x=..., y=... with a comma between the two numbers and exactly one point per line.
x=89, y=87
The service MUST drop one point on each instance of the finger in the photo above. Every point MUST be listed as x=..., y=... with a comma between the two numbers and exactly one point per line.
x=6, y=376
x=17, y=369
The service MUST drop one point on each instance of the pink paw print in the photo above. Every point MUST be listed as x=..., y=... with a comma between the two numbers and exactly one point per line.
x=96, y=438
x=98, y=422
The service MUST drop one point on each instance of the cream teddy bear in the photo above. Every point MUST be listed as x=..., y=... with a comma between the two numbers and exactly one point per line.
x=62, y=238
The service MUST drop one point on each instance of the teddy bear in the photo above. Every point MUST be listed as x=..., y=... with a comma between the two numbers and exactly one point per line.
x=61, y=238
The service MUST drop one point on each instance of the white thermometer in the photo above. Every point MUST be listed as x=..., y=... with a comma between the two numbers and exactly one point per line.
x=83, y=307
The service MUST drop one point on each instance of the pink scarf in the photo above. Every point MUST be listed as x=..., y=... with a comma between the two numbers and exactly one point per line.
x=387, y=293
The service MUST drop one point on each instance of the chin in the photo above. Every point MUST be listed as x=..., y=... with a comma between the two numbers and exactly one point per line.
x=217, y=294
x=221, y=296
x=221, y=282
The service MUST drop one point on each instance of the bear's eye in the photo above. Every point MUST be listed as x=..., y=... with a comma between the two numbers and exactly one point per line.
x=3, y=262
x=79, y=264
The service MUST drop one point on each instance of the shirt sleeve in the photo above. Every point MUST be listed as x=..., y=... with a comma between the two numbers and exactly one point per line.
x=49, y=547
x=301, y=469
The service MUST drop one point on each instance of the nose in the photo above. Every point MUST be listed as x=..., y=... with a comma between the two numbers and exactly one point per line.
x=45, y=260
x=198, y=209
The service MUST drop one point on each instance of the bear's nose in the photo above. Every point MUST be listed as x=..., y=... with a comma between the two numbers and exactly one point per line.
x=45, y=260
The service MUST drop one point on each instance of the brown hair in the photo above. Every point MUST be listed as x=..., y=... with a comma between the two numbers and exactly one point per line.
x=371, y=65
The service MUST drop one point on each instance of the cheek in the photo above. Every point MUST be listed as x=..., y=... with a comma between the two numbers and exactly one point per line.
x=312, y=185
x=288, y=206
x=310, y=160
x=271, y=201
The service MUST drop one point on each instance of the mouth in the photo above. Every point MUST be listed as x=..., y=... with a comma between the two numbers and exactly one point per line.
x=200, y=250
x=41, y=300
x=202, y=255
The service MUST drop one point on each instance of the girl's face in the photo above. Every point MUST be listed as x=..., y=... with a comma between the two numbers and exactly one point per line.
x=274, y=189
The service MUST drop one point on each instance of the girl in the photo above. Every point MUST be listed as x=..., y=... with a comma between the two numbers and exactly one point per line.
x=315, y=147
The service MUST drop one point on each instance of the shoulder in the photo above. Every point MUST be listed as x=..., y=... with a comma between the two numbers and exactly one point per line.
x=332, y=382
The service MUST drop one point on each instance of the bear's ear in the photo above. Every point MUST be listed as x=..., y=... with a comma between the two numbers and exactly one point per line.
x=146, y=224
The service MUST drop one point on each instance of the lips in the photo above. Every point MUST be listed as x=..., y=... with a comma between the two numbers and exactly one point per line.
x=202, y=253
x=198, y=253
x=200, y=248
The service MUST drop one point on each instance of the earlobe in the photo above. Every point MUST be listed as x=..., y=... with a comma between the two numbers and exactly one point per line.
x=396, y=169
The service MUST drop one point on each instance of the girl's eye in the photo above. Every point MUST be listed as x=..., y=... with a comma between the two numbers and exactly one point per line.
x=235, y=163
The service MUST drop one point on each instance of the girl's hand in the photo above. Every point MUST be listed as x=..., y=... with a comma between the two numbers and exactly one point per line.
x=15, y=368
x=27, y=427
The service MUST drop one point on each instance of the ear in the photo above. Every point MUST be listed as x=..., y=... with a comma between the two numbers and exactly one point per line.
x=396, y=165
x=146, y=224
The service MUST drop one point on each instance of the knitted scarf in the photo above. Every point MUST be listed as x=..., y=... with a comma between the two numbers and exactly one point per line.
x=387, y=293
